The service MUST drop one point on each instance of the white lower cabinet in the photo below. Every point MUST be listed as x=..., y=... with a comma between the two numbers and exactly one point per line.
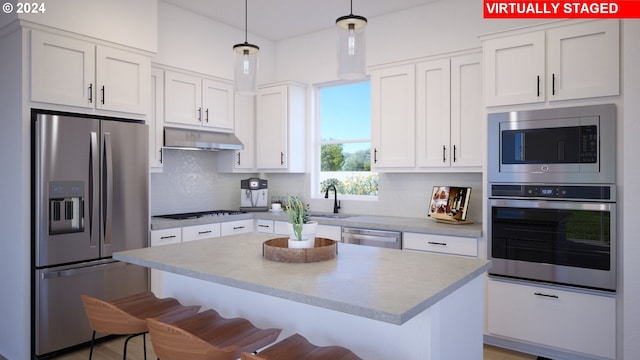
x=568, y=320
x=452, y=245
x=331, y=232
x=236, y=227
x=158, y=238
x=198, y=232
x=264, y=226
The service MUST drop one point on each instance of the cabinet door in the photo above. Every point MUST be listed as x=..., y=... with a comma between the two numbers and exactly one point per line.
x=264, y=226
x=330, y=232
x=199, y=232
x=453, y=245
x=166, y=236
x=156, y=116
x=574, y=321
x=584, y=60
x=467, y=130
x=245, y=131
x=514, y=69
x=122, y=80
x=236, y=227
x=433, y=113
x=183, y=98
x=271, y=128
x=217, y=105
x=62, y=70
x=393, y=117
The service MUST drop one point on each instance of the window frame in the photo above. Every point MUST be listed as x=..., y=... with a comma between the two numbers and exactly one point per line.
x=317, y=143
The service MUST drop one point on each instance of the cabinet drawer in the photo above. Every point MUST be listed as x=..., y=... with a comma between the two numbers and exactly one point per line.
x=197, y=232
x=264, y=226
x=454, y=245
x=236, y=227
x=554, y=317
x=281, y=228
x=166, y=236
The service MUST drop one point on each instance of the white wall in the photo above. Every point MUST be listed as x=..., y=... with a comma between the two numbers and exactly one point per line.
x=629, y=200
x=125, y=22
x=14, y=219
x=191, y=41
x=439, y=27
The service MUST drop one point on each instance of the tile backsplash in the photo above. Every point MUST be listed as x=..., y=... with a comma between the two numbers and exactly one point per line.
x=190, y=182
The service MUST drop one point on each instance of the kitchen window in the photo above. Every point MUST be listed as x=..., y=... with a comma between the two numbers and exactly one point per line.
x=343, y=151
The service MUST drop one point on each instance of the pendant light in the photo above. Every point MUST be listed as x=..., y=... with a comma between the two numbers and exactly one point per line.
x=246, y=69
x=351, y=46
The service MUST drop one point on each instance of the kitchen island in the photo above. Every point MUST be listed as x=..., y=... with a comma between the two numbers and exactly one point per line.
x=380, y=303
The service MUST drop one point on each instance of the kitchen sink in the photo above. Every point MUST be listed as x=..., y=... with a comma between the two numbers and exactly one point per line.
x=329, y=216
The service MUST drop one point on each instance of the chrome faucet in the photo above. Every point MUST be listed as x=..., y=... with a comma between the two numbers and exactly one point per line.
x=336, y=203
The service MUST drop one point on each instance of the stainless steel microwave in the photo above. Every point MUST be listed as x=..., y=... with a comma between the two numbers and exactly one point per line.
x=561, y=145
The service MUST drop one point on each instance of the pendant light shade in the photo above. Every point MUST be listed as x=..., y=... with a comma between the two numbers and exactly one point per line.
x=351, y=46
x=246, y=67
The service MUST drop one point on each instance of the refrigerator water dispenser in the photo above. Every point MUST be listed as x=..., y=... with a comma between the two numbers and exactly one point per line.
x=66, y=203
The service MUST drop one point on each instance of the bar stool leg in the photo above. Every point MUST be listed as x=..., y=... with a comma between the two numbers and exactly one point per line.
x=93, y=338
x=144, y=345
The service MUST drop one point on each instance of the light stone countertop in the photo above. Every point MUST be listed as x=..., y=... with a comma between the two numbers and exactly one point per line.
x=381, y=284
x=424, y=225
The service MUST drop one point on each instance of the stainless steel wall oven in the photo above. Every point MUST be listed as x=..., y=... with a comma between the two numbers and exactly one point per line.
x=552, y=197
x=558, y=234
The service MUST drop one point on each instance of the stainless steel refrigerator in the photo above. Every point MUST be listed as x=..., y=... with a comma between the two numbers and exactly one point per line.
x=90, y=199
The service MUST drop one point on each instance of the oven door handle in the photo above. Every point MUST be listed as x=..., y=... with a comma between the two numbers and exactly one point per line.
x=560, y=205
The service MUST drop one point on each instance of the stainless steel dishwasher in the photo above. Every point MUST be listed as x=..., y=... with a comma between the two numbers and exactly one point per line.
x=378, y=238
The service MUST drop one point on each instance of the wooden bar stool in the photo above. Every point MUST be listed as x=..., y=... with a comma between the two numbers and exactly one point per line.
x=207, y=336
x=127, y=316
x=296, y=347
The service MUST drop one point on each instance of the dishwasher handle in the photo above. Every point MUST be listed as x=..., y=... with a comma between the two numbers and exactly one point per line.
x=378, y=238
x=370, y=237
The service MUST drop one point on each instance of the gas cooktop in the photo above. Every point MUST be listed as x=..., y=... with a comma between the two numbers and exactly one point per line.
x=196, y=215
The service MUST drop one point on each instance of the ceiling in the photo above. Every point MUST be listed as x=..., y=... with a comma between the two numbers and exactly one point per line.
x=281, y=19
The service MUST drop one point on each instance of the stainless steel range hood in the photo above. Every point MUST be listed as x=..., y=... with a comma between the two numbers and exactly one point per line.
x=184, y=139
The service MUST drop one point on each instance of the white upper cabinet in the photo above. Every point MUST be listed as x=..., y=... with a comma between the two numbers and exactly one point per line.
x=514, y=69
x=427, y=116
x=280, y=128
x=584, y=60
x=433, y=98
x=73, y=72
x=568, y=62
x=156, y=115
x=467, y=131
x=393, y=117
x=183, y=98
x=449, y=112
x=241, y=161
x=193, y=101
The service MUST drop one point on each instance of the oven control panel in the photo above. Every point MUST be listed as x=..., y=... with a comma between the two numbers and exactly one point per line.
x=587, y=192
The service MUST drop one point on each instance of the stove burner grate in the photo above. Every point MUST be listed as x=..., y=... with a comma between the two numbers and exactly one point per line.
x=199, y=214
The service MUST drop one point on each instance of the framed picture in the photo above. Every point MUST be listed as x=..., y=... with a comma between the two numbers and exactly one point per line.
x=449, y=202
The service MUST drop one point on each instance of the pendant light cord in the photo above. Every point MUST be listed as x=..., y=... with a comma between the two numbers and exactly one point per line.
x=245, y=21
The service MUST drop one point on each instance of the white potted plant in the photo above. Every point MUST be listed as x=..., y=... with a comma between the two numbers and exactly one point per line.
x=302, y=232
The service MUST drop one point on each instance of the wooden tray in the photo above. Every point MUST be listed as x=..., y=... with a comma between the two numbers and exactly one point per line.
x=278, y=250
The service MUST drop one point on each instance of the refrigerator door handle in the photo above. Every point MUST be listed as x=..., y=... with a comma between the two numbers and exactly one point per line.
x=108, y=188
x=94, y=154
x=81, y=270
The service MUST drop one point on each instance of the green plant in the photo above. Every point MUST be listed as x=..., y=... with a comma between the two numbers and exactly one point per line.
x=298, y=214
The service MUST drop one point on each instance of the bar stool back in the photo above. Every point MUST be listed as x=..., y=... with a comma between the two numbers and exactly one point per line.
x=127, y=316
x=207, y=336
x=296, y=347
